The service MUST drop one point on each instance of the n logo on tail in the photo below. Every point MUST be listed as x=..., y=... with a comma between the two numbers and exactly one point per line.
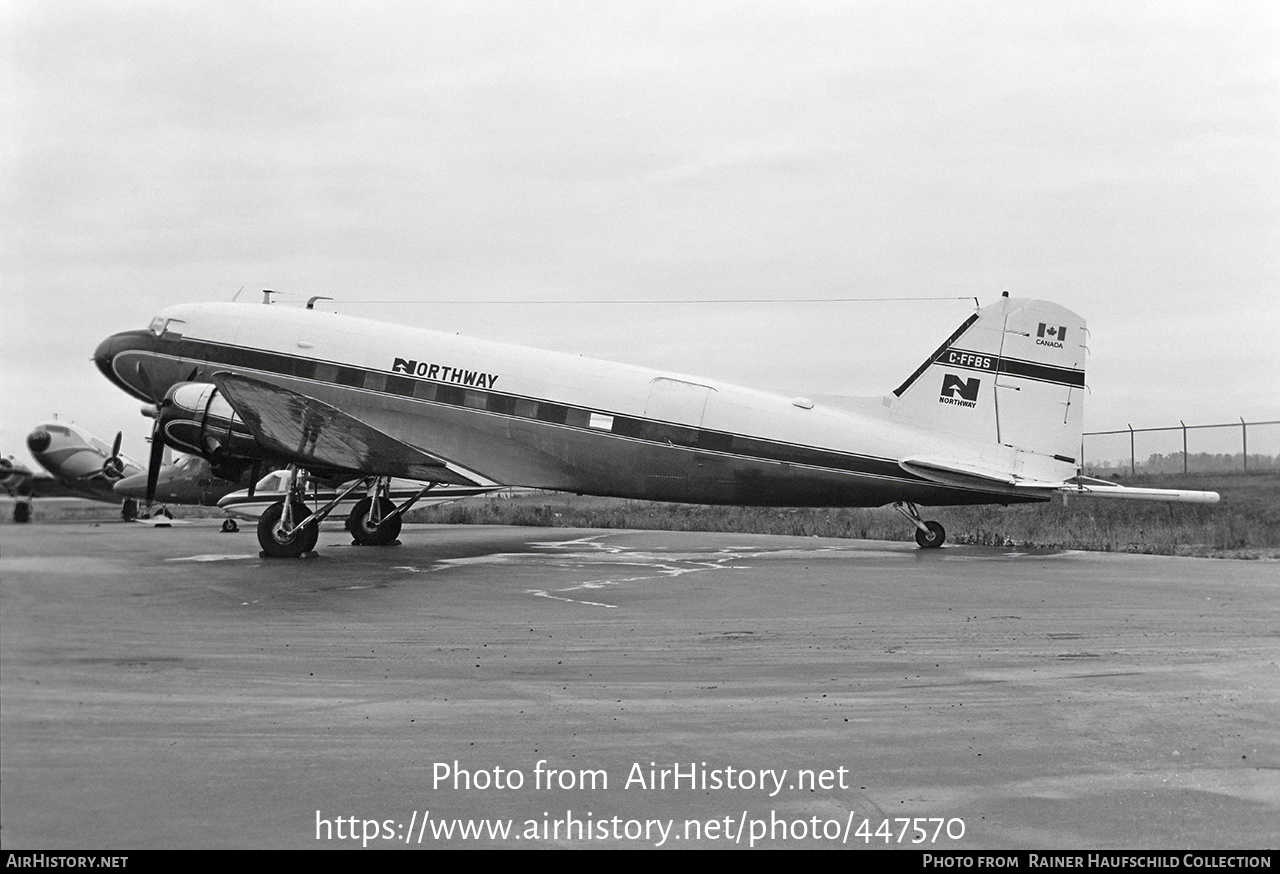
x=955, y=390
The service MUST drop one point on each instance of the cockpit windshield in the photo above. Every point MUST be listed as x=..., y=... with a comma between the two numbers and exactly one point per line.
x=165, y=326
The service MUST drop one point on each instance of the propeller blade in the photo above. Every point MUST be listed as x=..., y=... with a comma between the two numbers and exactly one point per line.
x=113, y=465
x=153, y=466
x=254, y=475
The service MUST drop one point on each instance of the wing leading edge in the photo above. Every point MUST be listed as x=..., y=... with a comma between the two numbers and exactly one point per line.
x=318, y=435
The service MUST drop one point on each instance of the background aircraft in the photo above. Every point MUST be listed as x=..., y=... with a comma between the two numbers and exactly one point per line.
x=188, y=480
x=79, y=465
x=20, y=482
x=994, y=415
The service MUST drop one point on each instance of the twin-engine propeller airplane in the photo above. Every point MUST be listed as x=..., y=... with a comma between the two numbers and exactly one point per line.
x=993, y=416
x=80, y=466
x=188, y=480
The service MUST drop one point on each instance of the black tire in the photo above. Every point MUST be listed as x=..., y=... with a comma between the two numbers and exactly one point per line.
x=22, y=512
x=275, y=544
x=129, y=510
x=229, y=526
x=934, y=538
x=364, y=535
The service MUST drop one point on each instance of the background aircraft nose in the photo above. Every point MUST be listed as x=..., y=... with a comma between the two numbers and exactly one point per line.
x=38, y=440
x=132, y=486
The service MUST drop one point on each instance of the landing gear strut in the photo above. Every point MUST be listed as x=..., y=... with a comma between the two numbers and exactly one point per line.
x=288, y=529
x=374, y=523
x=376, y=520
x=929, y=534
x=283, y=532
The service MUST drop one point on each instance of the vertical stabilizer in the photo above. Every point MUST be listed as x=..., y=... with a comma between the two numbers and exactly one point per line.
x=1013, y=375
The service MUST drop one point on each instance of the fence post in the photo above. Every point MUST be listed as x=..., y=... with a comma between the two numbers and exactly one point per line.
x=1244, y=440
x=1133, y=460
x=1184, y=446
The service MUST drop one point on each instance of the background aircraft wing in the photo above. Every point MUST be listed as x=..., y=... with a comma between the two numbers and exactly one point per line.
x=18, y=481
x=319, y=435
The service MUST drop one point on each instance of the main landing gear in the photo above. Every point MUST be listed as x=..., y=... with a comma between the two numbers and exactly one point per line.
x=929, y=534
x=374, y=522
x=289, y=529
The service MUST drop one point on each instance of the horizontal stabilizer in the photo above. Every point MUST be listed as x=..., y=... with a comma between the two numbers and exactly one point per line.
x=963, y=476
x=1100, y=488
x=975, y=477
x=315, y=434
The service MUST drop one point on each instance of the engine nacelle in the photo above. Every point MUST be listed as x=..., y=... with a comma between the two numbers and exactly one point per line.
x=196, y=419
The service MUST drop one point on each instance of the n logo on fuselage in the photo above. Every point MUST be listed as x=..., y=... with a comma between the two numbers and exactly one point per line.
x=962, y=392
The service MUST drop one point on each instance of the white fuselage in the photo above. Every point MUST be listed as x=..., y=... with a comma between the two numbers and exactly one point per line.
x=531, y=417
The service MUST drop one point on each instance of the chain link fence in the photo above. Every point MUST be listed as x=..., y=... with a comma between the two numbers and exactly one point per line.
x=1247, y=447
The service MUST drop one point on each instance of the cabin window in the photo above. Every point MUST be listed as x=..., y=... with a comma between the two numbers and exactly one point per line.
x=399, y=385
x=499, y=404
x=350, y=376
x=449, y=394
x=601, y=421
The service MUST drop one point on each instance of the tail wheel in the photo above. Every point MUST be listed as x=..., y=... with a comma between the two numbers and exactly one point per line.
x=275, y=543
x=932, y=538
x=229, y=526
x=371, y=535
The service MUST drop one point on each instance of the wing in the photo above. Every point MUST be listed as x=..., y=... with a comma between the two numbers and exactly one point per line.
x=319, y=435
x=17, y=481
x=990, y=480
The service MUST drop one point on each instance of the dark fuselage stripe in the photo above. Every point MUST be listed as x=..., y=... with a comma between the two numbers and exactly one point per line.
x=963, y=359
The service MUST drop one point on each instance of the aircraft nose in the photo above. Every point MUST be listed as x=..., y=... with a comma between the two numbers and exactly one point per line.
x=38, y=441
x=103, y=355
x=117, y=345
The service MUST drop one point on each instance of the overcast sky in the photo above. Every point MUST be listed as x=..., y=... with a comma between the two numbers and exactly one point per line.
x=1119, y=158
